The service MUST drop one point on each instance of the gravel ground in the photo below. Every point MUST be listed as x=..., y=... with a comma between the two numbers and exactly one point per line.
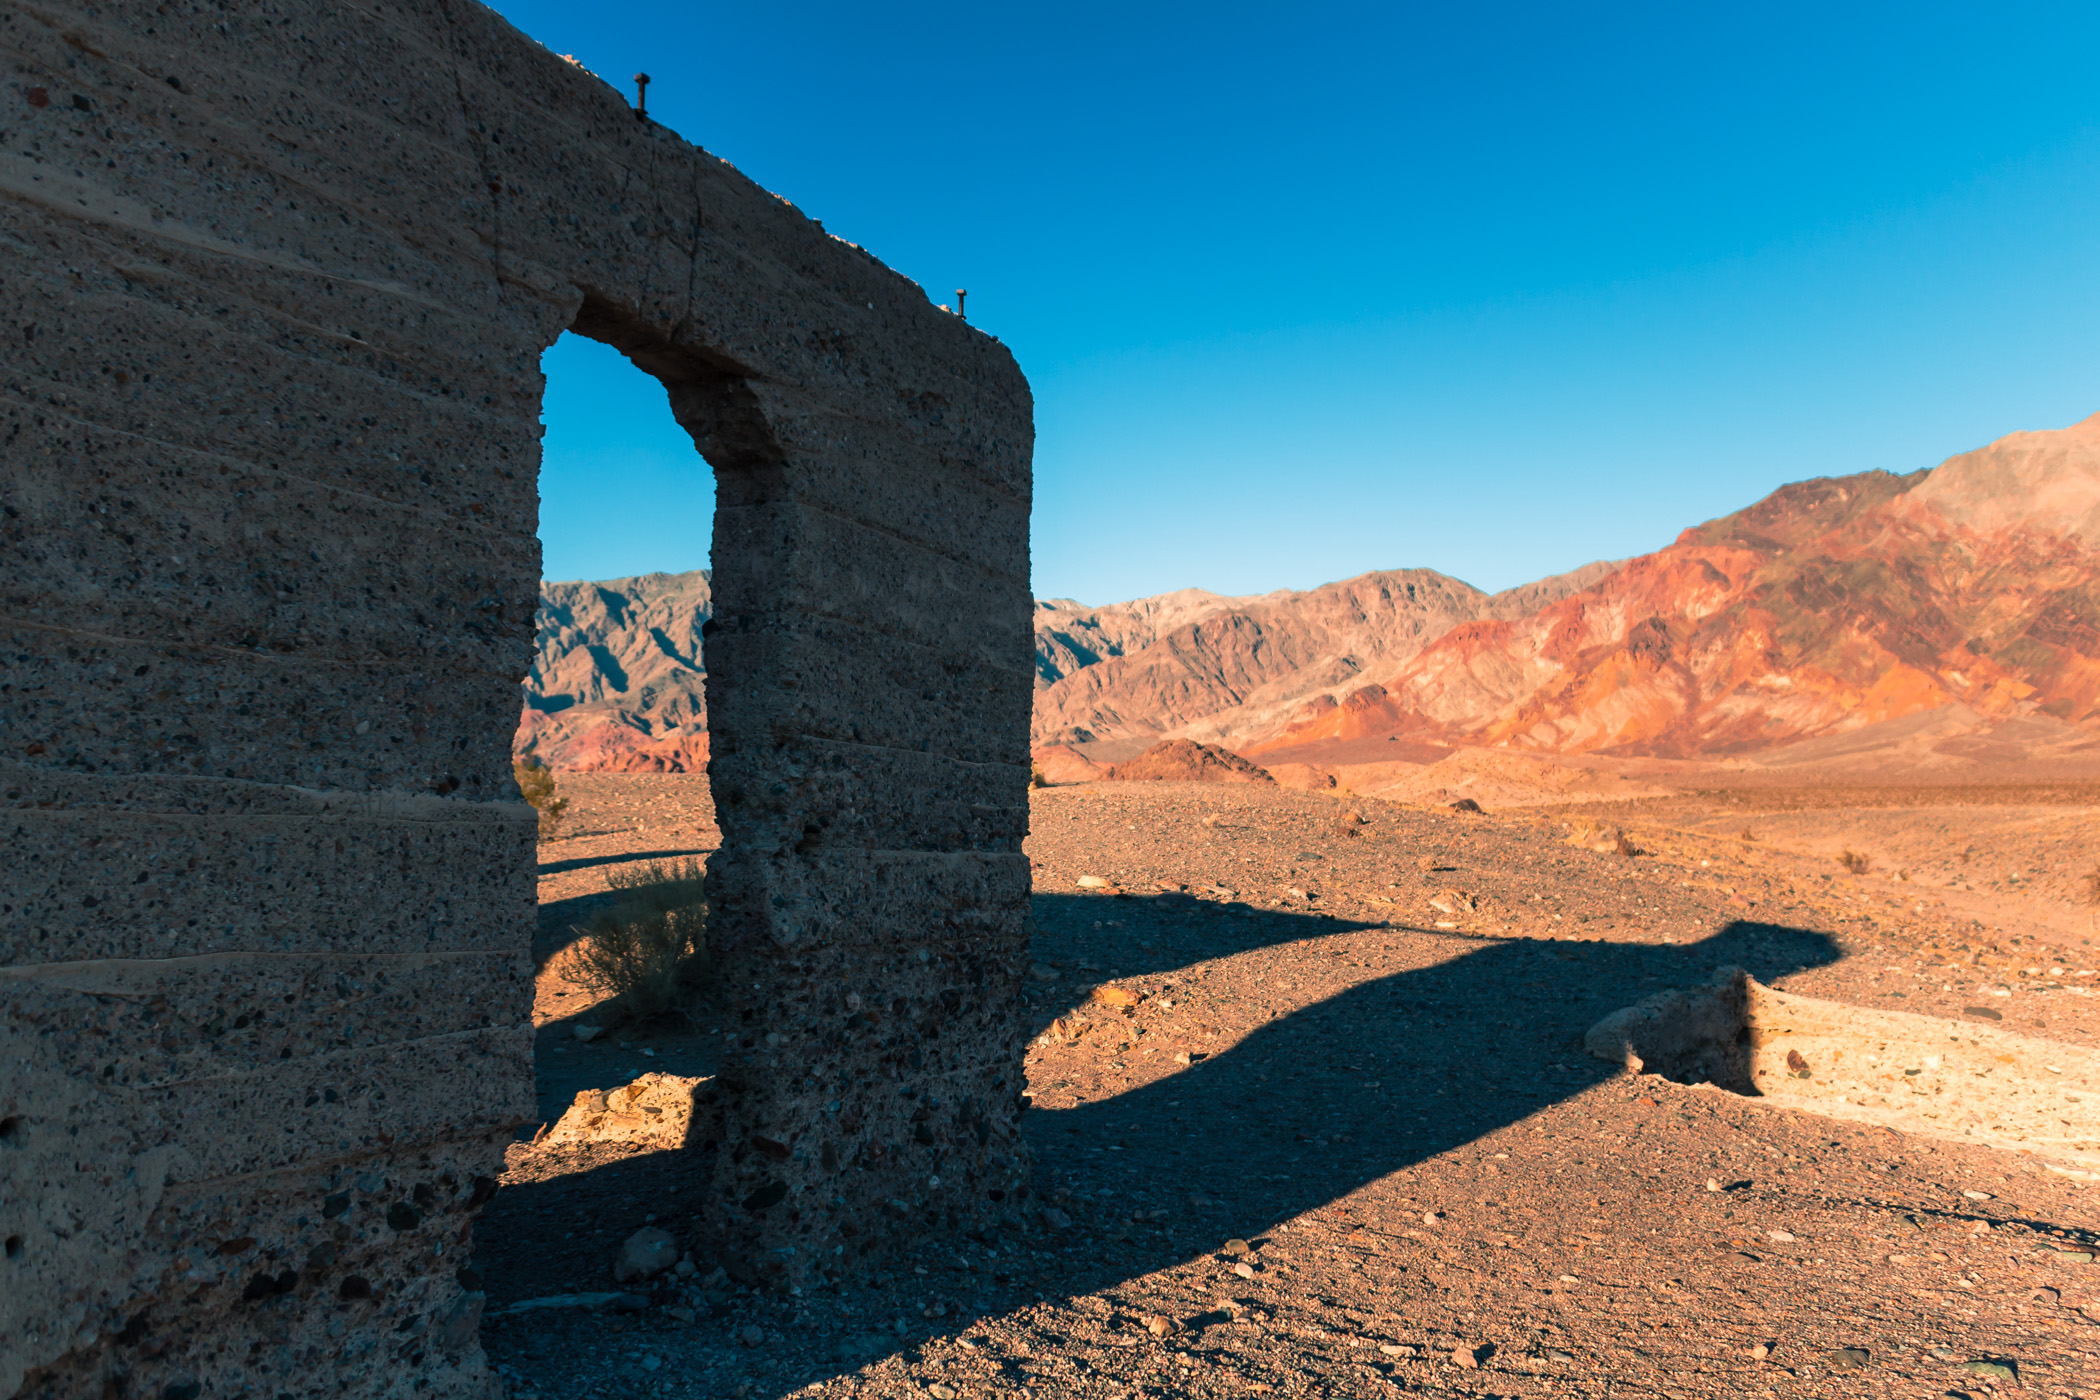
x=1312, y=1117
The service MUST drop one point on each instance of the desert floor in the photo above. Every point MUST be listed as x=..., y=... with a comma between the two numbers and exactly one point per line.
x=1357, y=1049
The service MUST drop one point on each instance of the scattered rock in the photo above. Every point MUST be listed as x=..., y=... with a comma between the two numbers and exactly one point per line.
x=941, y=1391
x=1236, y=1248
x=1848, y=1358
x=1042, y=973
x=1094, y=882
x=1465, y=804
x=1057, y=1219
x=586, y=1032
x=1466, y=1357
x=1160, y=1326
x=752, y=1336
x=647, y=1253
x=1243, y=1269
x=1779, y=1237
x=1760, y=1351
x=1120, y=997
x=1395, y=1349
x=653, y=1112
x=1993, y=1370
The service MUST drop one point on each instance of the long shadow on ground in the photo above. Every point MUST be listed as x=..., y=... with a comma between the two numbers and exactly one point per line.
x=1308, y=1108
x=1340, y=1093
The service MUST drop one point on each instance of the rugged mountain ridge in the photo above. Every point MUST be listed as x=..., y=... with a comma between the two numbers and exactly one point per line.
x=1827, y=607
x=1224, y=669
x=616, y=679
x=1830, y=606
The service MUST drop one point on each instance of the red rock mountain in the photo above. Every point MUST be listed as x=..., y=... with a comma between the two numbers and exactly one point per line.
x=1195, y=665
x=1971, y=590
x=1829, y=606
x=615, y=684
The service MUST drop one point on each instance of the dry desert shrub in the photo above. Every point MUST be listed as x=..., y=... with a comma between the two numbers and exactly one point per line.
x=1036, y=778
x=1855, y=862
x=536, y=784
x=651, y=946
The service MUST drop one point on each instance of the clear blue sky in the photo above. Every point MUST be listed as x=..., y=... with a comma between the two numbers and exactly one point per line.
x=1309, y=290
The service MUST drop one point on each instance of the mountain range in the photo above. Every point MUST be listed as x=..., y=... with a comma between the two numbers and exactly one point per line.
x=1967, y=594
x=616, y=676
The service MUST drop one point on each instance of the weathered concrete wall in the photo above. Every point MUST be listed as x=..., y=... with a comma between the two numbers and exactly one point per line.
x=274, y=280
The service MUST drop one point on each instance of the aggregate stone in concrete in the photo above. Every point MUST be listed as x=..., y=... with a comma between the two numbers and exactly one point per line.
x=278, y=279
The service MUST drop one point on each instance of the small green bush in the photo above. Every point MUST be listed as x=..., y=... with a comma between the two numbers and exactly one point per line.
x=651, y=946
x=536, y=783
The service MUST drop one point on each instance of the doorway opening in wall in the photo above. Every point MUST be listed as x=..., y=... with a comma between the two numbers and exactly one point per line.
x=612, y=740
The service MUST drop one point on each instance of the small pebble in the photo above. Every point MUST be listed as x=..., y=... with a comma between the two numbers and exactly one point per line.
x=752, y=1335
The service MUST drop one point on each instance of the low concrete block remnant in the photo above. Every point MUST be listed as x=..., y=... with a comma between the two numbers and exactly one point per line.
x=1962, y=1081
x=276, y=284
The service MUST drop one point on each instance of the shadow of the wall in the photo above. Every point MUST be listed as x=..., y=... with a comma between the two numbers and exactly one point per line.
x=1306, y=1109
x=1374, y=1080
x=559, y=918
x=557, y=867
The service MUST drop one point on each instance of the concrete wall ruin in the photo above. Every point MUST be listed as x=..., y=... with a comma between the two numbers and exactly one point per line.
x=276, y=278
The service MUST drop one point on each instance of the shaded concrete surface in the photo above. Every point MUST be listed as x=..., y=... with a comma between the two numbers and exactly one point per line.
x=280, y=279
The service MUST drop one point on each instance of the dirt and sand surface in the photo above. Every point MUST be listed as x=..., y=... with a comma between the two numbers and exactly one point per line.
x=1312, y=1115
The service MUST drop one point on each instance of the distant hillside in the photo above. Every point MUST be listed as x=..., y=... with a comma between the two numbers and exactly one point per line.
x=616, y=680
x=1829, y=606
x=1196, y=665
